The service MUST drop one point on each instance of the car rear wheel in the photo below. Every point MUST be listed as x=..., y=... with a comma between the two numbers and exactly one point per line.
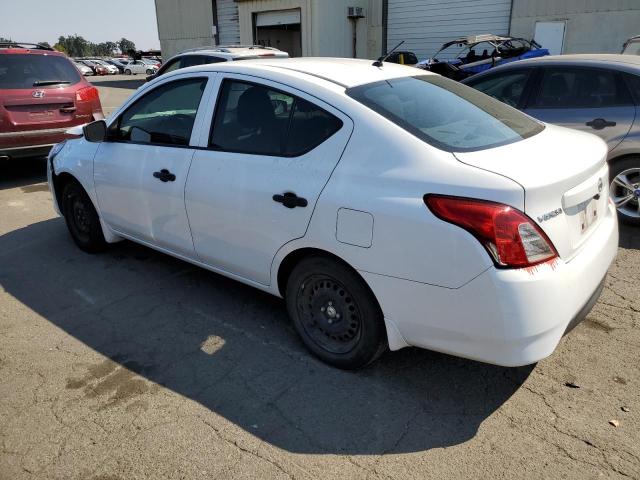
x=625, y=189
x=127, y=72
x=335, y=313
x=82, y=219
x=149, y=71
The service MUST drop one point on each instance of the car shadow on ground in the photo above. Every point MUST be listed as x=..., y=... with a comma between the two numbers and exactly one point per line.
x=629, y=236
x=132, y=83
x=232, y=349
x=22, y=172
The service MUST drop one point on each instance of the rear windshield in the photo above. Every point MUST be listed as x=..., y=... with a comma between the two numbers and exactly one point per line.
x=28, y=71
x=446, y=114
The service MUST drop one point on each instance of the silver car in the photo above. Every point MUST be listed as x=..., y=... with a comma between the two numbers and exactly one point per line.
x=594, y=93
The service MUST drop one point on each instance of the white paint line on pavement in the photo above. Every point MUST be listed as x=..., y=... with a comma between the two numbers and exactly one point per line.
x=84, y=296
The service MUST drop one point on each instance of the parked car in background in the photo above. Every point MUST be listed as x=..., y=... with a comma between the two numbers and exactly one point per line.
x=632, y=46
x=204, y=55
x=466, y=56
x=135, y=67
x=598, y=94
x=119, y=66
x=96, y=67
x=42, y=94
x=386, y=205
x=111, y=69
x=84, y=70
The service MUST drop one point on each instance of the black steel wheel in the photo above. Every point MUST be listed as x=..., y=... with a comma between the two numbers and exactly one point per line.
x=82, y=219
x=335, y=313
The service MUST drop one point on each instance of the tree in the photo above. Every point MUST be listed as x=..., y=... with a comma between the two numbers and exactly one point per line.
x=74, y=45
x=125, y=45
x=45, y=44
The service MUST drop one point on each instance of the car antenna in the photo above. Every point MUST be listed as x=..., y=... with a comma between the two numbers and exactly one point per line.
x=378, y=63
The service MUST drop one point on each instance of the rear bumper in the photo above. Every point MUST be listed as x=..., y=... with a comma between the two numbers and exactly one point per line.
x=29, y=143
x=503, y=317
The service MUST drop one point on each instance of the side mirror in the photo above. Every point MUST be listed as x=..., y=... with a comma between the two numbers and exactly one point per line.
x=95, y=132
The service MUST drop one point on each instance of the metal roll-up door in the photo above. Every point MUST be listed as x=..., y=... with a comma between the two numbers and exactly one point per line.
x=425, y=25
x=228, y=25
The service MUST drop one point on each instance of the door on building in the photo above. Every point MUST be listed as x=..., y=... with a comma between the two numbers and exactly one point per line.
x=550, y=35
x=279, y=29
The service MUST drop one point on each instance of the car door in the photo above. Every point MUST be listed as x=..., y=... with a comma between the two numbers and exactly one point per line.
x=594, y=100
x=253, y=188
x=141, y=169
x=510, y=87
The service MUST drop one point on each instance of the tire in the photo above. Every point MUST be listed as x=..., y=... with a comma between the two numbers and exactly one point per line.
x=335, y=313
x=82, y=219
x=127, y=72
x=624, y=177
x=149, y=72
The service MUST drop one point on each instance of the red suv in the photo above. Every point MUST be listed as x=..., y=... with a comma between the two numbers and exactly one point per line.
x=42, y=94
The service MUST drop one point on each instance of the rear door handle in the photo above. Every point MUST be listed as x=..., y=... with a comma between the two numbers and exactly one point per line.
x=164, y=175
x=290, y=200
x=600, y=123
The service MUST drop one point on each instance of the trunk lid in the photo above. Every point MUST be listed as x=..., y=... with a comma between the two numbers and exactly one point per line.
x=38, y=108
x=565, y=179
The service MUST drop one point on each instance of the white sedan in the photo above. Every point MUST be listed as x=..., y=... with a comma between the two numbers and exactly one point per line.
x=388, y=207
x=138, y=66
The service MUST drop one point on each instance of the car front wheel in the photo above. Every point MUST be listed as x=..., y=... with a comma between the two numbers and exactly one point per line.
x=335, y=313
x=127, y=72
x=625, y=189
x=82, y=219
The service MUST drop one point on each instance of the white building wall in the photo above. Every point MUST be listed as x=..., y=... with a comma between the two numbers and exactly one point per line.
x=184, y=24
x=592, y=26
x=325, y=28
x=425, y=25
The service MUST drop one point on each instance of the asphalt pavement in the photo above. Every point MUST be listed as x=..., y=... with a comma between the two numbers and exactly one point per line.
x=134, y=365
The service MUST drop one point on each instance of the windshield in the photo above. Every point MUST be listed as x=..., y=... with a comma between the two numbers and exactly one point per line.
x=27, y=71
x=446, y=114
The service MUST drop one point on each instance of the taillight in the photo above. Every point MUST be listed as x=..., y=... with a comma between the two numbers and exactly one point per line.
x=86, y=94
x=510, y=237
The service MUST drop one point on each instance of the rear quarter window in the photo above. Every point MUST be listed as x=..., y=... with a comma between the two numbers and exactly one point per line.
x=26, y=70
x=443, y=113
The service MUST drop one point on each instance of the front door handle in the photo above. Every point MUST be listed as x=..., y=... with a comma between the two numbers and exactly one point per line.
x=600, y=123
x=164, y=175
x=290, y=200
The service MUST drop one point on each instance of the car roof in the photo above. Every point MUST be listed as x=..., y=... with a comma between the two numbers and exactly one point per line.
x=28, y=48
x=346, y=72
x=579, y=59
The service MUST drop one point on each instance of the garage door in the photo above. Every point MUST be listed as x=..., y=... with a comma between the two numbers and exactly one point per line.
x=425, y=25
x=279, y=17
x=228, y=26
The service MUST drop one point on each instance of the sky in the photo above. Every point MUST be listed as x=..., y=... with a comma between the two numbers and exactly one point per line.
x=97, y=21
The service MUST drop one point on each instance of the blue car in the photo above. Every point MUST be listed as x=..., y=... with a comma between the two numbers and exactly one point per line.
x=466, y=56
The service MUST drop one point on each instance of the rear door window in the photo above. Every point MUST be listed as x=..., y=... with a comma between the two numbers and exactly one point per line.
x=446, y=114
x=32, y=70
x=580, y=88
x=164, y=116
x=255, y=119
x=506, y=87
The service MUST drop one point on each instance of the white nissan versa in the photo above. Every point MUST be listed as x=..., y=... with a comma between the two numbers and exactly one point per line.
x=389, y=207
